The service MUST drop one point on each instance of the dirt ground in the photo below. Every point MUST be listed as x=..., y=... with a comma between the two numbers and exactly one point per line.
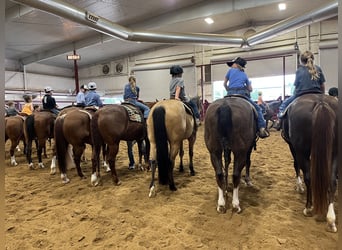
x=43, y=213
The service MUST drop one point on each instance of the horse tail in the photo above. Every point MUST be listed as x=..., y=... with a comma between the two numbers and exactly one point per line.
x=61, y=144
x=224, y=124
x=323, y=126
x=160, y=135
x=29, y=128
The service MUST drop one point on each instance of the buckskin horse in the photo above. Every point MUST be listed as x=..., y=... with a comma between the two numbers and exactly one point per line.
x=111, y=124
x=230, y=127
x=168, y=124
x=311, y=131
x=15, y=132
x=39, y=126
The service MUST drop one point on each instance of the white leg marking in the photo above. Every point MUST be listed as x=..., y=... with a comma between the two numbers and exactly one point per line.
x=106, y=166
x=53, y=165
x=13, y=162
x=152, y=192
x=41, y=165
x=331, y=218
x=31, y=166
x=235, y=202
x=64, y=178
x=299, y=185
x=94, y=180
x=308, y=212
x=18, y=148
x=221, y=202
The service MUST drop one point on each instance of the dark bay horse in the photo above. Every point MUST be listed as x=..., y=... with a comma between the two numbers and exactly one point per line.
x=39, y=127
x=168, y=124
x=111, y=124
x=310, y=129
x=14, y=130
x=230, y=126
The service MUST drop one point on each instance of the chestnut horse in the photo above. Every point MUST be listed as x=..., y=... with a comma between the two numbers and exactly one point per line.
x=14, y=131
x=310, y=129
x=230, y=127
x=39, y=126
x=168, y=124
x=111, y=124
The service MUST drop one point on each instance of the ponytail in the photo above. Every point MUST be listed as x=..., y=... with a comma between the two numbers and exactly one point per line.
x=307, y=59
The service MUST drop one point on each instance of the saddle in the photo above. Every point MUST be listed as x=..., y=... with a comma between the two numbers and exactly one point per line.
x=247, y=99
x=134, y=113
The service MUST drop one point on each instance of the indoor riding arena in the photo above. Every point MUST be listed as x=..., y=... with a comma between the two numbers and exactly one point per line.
x=87, y=82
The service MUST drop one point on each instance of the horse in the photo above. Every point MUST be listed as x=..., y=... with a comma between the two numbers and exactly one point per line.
x=72, y=127
x=230, y=127
x=111, y=124
x=270, y=116
x=169, y=123
x=14, y=131
x=311, y=131
x=39, y=127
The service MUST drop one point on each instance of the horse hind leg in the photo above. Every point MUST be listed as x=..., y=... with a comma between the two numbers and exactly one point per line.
x=78, y=152
x=14, y=144
x=216, y=161
x=331, y=217
x=191, y=154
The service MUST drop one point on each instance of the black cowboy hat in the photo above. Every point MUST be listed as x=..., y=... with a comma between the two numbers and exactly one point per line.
x=238, y=60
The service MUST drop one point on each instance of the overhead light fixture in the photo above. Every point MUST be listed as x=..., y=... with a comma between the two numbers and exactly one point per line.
x=282, y=6
x=209, y=20
x=73, y=57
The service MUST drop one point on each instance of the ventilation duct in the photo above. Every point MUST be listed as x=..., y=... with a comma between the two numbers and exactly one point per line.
x=78, y=15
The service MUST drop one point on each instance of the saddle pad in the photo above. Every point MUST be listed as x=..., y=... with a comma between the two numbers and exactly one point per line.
x=134, y=113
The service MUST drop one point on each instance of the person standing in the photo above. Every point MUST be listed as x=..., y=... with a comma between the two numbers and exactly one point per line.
x=131, y=95
x=80, y=97
x=236, y=82
x=49, y=102
x=92, y=98
x=177, y=90
x=261, y=103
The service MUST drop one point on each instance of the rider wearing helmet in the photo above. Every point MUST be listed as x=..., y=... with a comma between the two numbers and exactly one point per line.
x=49, y=103
x=177, y=90
x=93, y=98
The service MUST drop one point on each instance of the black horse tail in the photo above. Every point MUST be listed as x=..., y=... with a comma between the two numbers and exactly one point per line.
x=61, y=144
x=323, y=127
x=160, y=136
x=224, y=123
x=29, y=128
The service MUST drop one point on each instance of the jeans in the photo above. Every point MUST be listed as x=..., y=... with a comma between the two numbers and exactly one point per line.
x=194, y=108
x=285, y=104
x=146, y=110
x=130, y=153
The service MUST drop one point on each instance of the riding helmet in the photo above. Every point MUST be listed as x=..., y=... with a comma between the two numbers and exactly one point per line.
x=176, y=70
x=92, y=85
x=48, y=89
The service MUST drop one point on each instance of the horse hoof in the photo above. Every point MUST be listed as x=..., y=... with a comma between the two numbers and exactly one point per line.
x=237, y=209
x=221, y=209
x=41, y=165
x=173, y=188
x=192, y=173
x=308, y=212
x=31, y=167
x=53, y=171
x=117, y=183
x=13, y=163
x=331, y=228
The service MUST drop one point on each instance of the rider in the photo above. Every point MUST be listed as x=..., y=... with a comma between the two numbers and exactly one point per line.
x=177, y=90
x=261, y=102
x=131, y=95
x=309, y=79
x=240, y=84
x=93, y=98
x=80, y=97
x=49, y=103
x=28, y=106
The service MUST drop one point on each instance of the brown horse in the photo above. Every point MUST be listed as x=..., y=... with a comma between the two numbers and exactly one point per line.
x=111, y=124
x=72, y=127
x=14, y=131
x=230, y=126
x=310, y=129
x=39, y=126
x=169, y=123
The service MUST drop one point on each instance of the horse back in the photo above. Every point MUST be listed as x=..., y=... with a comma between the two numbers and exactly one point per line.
x=14, y=127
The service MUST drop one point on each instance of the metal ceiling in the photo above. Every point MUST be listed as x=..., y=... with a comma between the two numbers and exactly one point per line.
x=34, y=35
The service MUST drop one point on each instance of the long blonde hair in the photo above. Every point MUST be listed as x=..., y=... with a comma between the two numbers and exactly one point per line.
x=307, y=58
x=133, y=84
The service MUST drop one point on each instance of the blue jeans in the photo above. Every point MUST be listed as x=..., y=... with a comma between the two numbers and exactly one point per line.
x=130, y=153
x=146, y=110
x=286, y=103
x=261, y=121
x=194, y=108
